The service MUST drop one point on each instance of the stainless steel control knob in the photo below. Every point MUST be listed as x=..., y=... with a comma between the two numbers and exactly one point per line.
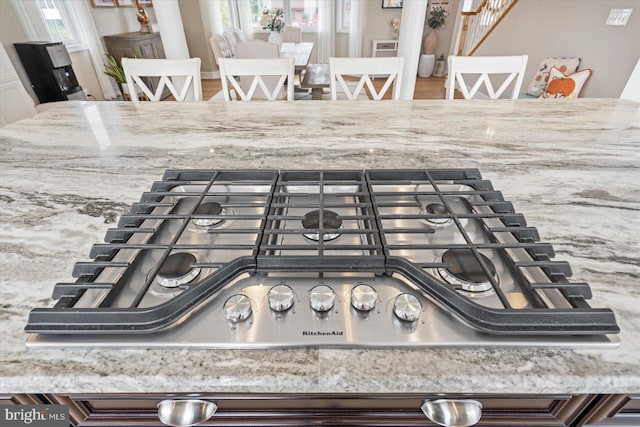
x=322, y=298
x=237, y=308
x=407, y=307
x=363, y=298
x=280, y=298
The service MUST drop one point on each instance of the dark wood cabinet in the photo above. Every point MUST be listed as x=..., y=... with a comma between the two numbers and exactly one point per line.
x=137, y=45
x=101, y=410
x=613, y=410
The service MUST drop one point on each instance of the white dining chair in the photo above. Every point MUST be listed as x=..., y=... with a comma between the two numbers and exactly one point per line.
x=180, y=76
x=220, y=47
x=365, y=68
x=239, y=35
x=256, y=70
x=259, y=49
x=484, y=67
x=291, y=34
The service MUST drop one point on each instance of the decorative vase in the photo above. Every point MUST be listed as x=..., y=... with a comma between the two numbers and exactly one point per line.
x=430, y=43
x=276, y=38
x=425, y=65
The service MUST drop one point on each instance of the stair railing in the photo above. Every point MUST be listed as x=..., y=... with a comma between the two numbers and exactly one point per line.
x=478, y=24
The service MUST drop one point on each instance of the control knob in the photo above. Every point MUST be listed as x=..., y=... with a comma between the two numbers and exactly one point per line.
x=237, y=308
x=321, y=298
x=363, y=298
x=280, y=298
x=407, y=307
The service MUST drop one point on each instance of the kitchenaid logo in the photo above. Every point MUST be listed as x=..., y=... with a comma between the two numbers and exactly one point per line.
x=35, y=415
x=322, y=333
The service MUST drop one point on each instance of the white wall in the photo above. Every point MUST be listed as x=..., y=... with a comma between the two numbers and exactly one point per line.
x=546, y=28
x=116, y=20
x=196, y=34
x=378, y=24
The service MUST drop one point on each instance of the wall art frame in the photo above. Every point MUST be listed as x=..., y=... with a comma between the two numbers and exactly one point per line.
x=392, y=4
x=103, y=3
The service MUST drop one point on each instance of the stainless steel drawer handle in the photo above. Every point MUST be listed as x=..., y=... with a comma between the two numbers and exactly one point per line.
x=185, y=413
x=453, y=413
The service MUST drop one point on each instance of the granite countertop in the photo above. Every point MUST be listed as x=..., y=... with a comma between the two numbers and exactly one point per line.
x=571, y=167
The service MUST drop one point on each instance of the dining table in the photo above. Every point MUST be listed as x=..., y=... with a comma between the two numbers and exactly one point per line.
x=300, y=52
x=570, y=166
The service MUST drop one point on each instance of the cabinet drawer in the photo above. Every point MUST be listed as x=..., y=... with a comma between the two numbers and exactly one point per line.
x=614, y=410
x=389, y=46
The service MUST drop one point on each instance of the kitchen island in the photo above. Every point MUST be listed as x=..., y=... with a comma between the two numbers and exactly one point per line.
x=571, y=167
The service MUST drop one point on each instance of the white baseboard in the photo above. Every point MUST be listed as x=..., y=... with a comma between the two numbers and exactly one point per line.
x=210, y=75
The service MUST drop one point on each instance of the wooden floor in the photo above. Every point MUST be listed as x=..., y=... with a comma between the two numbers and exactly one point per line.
x=426, y=88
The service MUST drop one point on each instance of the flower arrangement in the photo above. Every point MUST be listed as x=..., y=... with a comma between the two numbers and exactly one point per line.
x=395, y=27
x=272, y=21
x=437, y=17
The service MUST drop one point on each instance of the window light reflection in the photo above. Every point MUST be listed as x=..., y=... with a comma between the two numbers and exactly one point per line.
x=97, y=126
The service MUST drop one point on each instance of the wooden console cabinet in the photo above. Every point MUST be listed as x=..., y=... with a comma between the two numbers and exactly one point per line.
x=137, y=45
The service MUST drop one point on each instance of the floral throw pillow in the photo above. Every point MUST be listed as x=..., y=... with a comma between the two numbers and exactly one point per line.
x=540, y=80
x=565, y=86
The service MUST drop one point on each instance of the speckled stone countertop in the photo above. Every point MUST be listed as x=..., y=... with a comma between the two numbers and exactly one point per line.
x=571, y=167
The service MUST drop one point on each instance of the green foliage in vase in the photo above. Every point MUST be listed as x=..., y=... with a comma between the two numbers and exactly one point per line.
x=114, y=70
x=437, y=17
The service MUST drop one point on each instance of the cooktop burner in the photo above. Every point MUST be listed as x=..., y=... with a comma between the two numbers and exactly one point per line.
x=330, y=222
x=209, y=208
x=374, y=258
x=176, y=270
x=437, y=209
x=466, y=270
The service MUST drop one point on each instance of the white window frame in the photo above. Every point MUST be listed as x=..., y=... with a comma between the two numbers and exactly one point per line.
x=34, y=22
x=233, y=15
x=340, y=17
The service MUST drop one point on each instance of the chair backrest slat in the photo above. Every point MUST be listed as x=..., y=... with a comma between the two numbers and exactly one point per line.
x=257, y=69
x=389, y=68
x=178, y=75
x=485, y=66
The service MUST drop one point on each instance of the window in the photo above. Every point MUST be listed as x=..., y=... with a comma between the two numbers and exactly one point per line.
x=299, y=13
x=344, y=16
x=52, y=20
x=229, y=14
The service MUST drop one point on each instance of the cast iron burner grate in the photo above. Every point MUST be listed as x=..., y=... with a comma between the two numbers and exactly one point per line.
x=391, y=224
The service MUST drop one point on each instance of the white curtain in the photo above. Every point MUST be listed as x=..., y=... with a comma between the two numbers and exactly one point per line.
x=214, y=19
x=246, y=24
x=356, y=34
x=326, y=30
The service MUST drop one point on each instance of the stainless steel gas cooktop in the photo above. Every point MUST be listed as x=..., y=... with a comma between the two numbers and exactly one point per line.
x=374, y=258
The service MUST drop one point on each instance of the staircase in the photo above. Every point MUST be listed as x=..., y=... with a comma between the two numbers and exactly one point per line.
x=478, y=23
